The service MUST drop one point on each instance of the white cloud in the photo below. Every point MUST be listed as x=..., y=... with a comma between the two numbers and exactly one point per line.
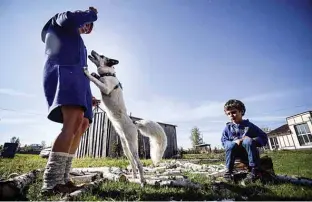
x=16, y=121
x=12, y=92
x=31, y=133
x=168, y=110
x=272, y=95
x=268, y=118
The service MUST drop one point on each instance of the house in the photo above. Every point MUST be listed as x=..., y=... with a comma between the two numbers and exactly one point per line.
x=295, y=134
x=203, y=148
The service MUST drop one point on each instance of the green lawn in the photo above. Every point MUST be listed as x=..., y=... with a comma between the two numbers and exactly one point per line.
x=298, y=163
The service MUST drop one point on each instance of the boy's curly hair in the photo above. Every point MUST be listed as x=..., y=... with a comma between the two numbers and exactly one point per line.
x=235, y=104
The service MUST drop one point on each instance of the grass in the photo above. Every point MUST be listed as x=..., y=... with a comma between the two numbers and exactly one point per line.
x=296, y=163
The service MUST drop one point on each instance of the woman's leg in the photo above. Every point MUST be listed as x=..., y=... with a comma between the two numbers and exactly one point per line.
x=88, y=116
x=73, y=148
x=55, y=168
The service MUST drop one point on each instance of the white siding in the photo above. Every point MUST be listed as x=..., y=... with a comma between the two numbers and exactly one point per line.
x=299, y=119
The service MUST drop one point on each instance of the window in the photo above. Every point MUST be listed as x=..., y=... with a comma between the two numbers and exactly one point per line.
x=304, y=134
x=274, y=142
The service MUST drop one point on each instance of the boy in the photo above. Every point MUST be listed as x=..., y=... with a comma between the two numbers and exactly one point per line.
x=240, y=138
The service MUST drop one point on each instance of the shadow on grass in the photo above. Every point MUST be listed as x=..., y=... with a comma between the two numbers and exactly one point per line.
x=250, y=193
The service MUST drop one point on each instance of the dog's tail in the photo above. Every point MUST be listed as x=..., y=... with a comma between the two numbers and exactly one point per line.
x=157, y=137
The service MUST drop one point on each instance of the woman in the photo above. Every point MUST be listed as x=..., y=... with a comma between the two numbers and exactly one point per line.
x=67, y=91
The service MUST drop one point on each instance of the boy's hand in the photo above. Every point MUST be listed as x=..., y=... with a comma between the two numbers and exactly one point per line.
x=239, y=141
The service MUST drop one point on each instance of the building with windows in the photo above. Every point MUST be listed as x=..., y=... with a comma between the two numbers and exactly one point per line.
x=296, y=134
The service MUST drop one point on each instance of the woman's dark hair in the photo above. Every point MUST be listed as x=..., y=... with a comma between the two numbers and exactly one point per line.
x=235, y=104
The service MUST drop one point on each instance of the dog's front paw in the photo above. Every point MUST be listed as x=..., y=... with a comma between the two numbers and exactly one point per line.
x=95, y=75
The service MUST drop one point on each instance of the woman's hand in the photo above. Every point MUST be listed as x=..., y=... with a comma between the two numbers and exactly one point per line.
x=93, y=9
x=95, y=102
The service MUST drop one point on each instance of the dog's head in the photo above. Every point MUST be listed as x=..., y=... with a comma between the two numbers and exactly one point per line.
x=104, y=64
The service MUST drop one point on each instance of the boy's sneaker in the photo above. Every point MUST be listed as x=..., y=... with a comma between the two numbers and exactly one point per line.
x=252, y=176
x=228, y=175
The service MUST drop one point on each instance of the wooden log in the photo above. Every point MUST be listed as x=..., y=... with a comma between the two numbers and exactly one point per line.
x=86, y=188
x=216, y=174
x=172, y=172
x=201, y=173
x=14, y=187
x=158, y=169
x=115, y=170
x=192, y=166
x=160, y=177
x=147, y=181
x=86, y=178
x=180, y=183
x=91, y=170
x=115, y=177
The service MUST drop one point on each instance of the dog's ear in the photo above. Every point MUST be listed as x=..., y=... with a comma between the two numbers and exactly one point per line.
x=111, y=62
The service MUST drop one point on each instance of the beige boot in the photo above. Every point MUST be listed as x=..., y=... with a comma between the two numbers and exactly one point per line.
x=53, y=176
x=68, y=182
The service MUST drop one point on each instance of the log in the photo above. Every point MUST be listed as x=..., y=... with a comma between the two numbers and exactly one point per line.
x=192, y=166
x=91, y=170
x=115, y=177
x=86, y=178
x=160, y=177
x=180, y=183
x=147, y=181
x=172, y=172
x=201, y=173
x=14, y=187
x=78, y=171
x=86, y=188
x=159, y=169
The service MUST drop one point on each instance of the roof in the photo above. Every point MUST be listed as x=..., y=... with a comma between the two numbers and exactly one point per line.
x=299, y=114
x=280, y=130
x=202, y=145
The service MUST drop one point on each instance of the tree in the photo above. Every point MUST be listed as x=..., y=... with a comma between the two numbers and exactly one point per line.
x=196, y=137
x=266, y=129
x=15, y=140
x=43, y=144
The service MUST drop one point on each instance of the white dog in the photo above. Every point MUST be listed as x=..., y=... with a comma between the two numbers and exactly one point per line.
x=115, y=108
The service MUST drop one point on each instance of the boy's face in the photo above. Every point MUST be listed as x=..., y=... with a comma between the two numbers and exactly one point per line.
x=234, y=114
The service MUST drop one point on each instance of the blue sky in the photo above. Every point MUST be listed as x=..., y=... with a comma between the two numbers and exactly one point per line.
x=180, y=61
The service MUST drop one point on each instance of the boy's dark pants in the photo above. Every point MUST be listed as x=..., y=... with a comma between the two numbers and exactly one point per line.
x=247, y=150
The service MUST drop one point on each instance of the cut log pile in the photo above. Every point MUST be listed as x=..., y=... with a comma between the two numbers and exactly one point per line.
x=15, y=186
x=170, y=173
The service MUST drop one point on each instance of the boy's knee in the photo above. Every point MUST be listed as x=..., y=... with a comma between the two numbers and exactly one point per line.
x=247, y=142
x=230, y=146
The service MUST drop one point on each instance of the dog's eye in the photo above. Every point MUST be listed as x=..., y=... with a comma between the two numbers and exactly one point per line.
x=102, y=56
